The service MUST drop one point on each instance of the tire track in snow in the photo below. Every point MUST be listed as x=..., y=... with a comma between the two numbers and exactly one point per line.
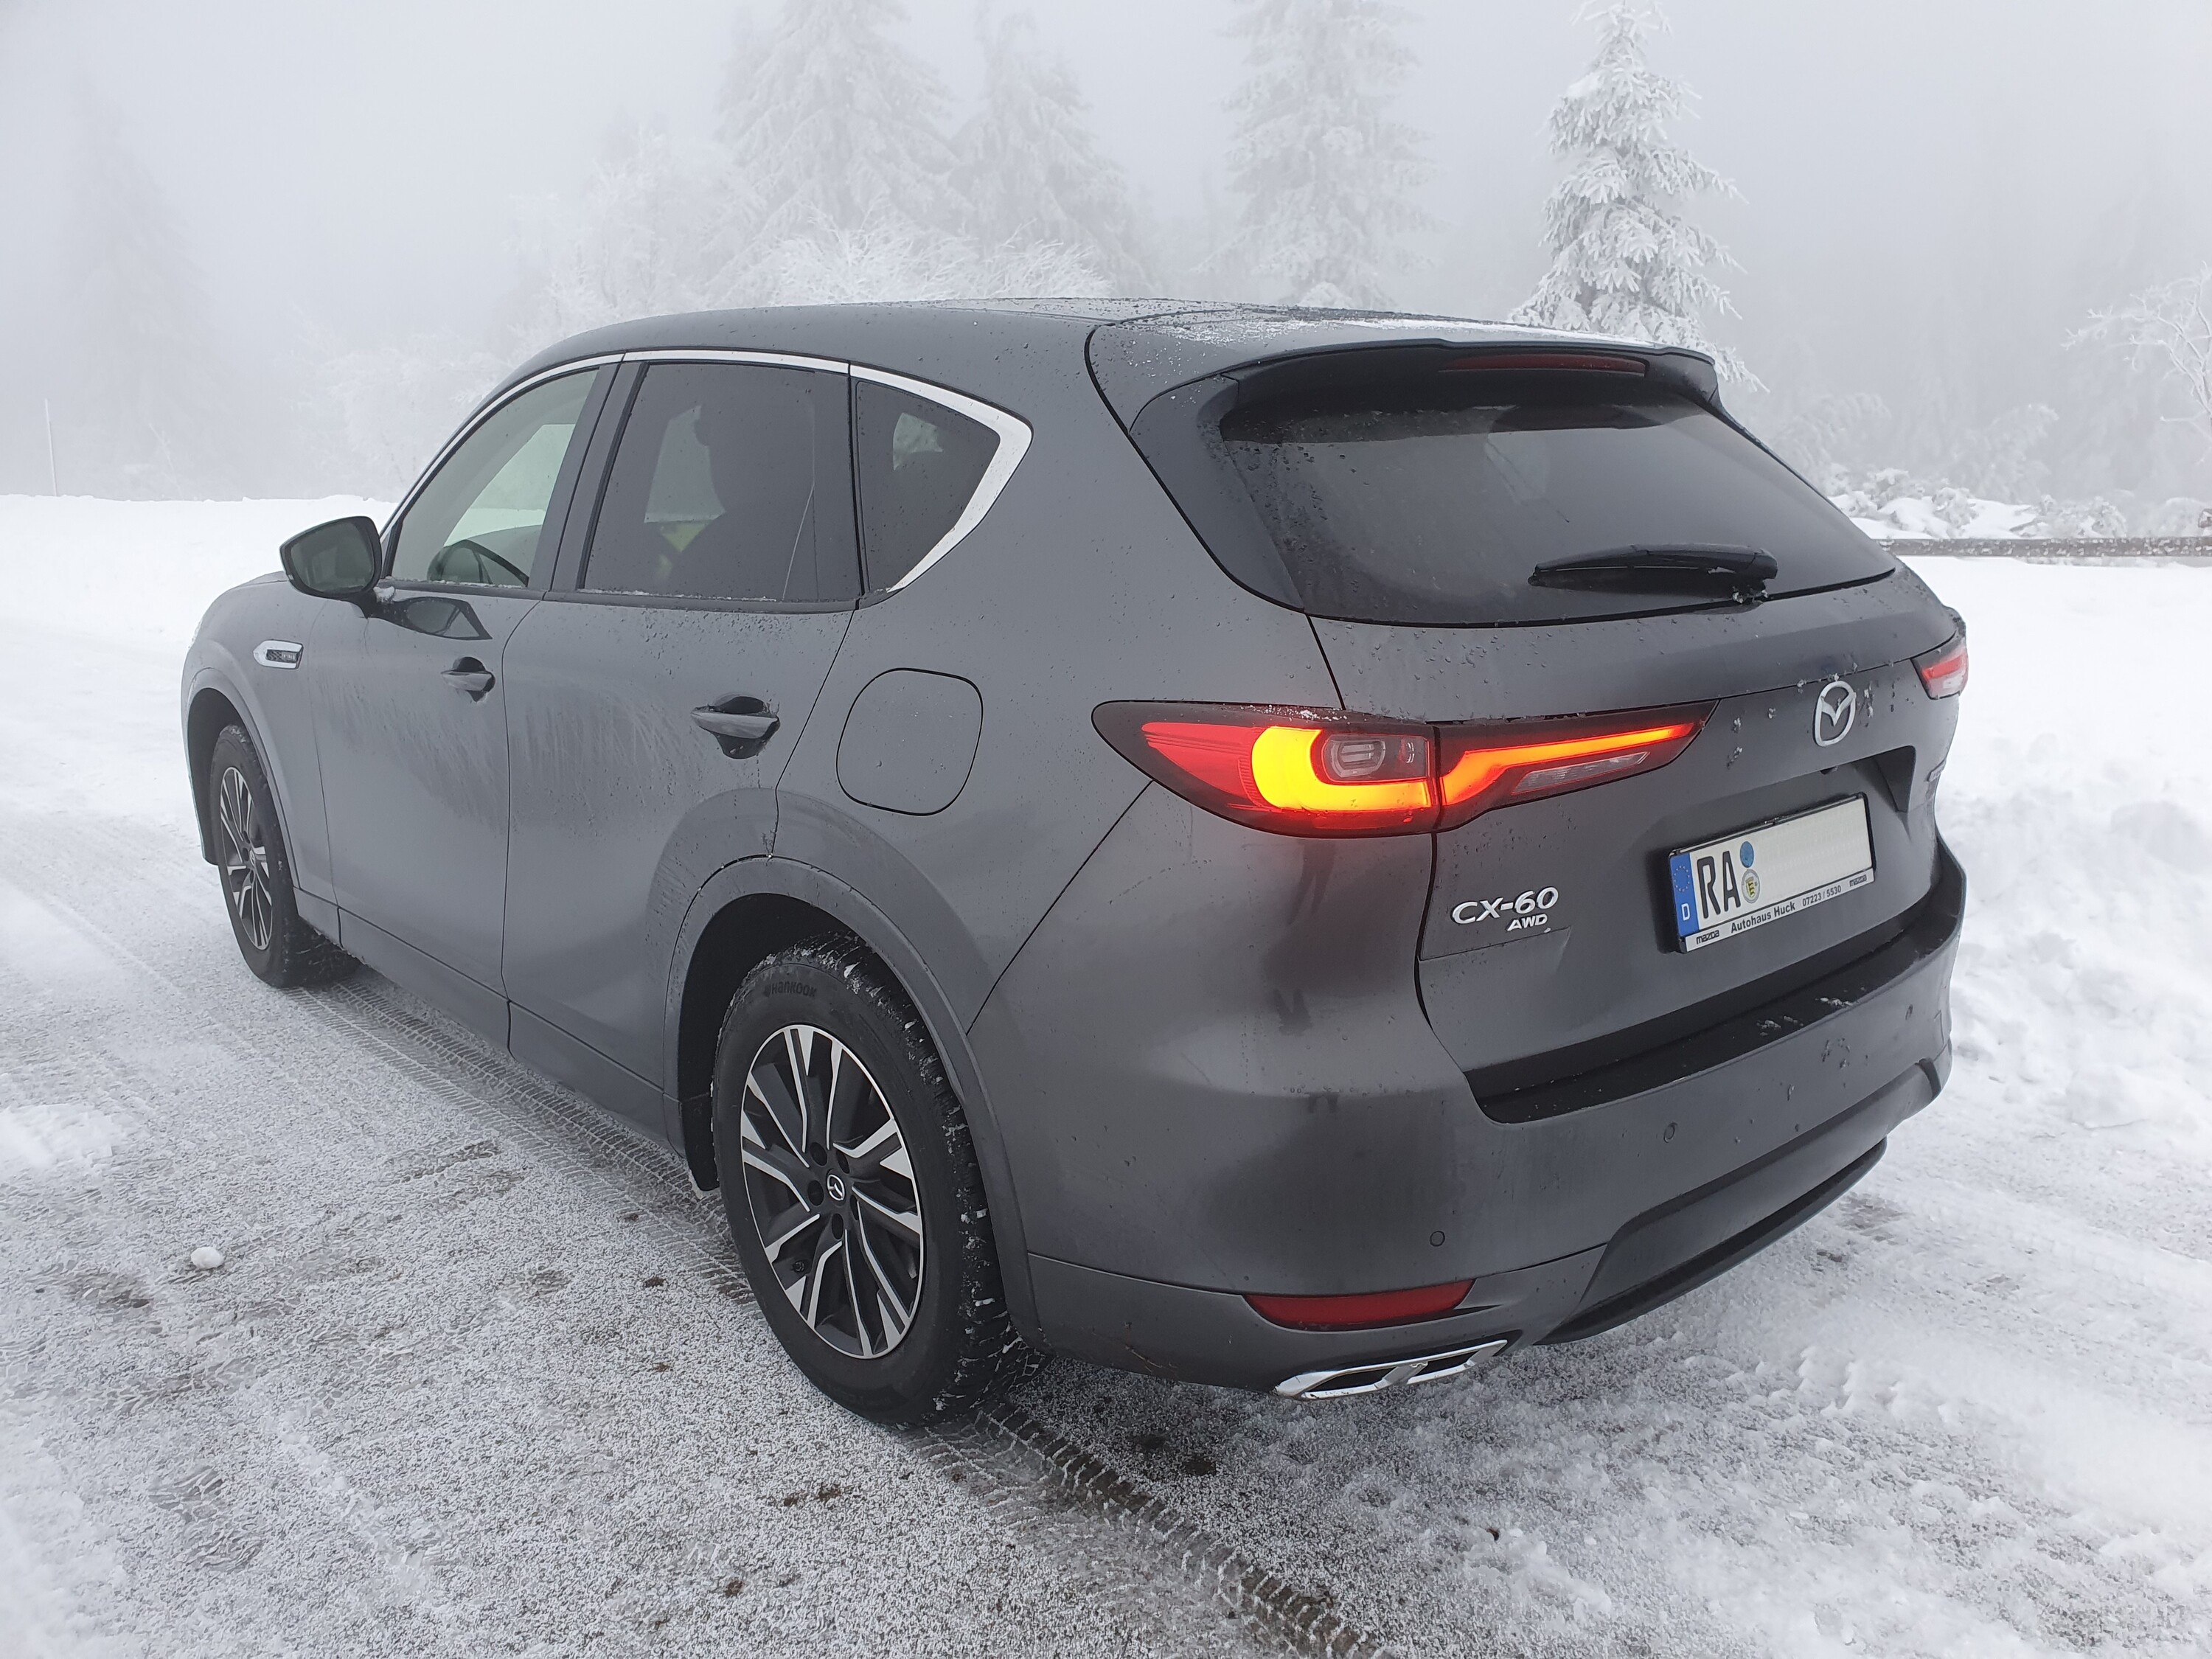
x=1055, y=1478
x=376, y=1012
x=125, y=1278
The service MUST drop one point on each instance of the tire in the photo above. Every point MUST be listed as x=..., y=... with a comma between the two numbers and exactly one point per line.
x=257, y=874
x=825, y=1216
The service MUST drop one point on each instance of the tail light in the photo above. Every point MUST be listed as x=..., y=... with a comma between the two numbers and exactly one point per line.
x=1351, y=1313
x=1319, y=772
x=1296, y=771
x=1943, y=671
x=1483, y=767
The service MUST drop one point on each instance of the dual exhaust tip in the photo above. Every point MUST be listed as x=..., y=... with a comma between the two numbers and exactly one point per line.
x=1372, y=1378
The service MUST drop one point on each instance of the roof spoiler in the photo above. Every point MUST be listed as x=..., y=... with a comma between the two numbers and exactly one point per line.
x=1675, y=367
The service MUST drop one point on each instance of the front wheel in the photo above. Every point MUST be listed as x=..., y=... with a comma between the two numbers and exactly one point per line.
x=851, y=1188
x=257, y=874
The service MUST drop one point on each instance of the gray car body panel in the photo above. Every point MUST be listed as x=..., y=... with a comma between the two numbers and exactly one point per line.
x=221, y=664
x=1198, y=1059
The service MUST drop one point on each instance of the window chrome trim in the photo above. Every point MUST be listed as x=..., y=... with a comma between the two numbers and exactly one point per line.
x=1013, y=433
x=721, y=354
x=484, y=412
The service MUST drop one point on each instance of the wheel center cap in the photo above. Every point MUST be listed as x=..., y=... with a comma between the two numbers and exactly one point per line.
x=835, y=1186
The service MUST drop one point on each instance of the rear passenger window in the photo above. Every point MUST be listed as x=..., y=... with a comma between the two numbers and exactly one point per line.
x=729, y=483
x=918, y=464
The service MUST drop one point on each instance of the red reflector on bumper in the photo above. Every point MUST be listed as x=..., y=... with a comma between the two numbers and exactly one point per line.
x=1351, y=1313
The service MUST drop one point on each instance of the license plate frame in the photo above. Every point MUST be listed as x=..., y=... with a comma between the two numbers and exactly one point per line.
x=1718, y=893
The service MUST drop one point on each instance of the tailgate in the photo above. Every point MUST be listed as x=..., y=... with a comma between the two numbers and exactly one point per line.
x=1551, y=947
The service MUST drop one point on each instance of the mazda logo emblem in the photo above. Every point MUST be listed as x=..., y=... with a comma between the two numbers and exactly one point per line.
x=1833, y=711
x=836, y=1187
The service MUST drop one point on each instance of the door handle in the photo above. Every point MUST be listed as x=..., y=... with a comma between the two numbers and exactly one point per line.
x=469, y=675
x=740, y=731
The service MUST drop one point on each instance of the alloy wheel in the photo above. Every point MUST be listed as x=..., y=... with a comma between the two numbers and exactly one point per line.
x=245, y=879
x=831, y=1191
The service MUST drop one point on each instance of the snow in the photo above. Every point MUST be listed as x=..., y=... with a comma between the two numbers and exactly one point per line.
x=1920, y=518
x=1325, y=172
x=478, y=1375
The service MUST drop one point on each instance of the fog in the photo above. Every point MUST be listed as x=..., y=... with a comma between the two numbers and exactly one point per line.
x=1929, y=198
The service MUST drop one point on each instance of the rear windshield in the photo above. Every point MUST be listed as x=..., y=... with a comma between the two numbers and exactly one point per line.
x=1431, y=497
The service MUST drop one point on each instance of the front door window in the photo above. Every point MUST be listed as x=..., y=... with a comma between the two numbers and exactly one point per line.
x=482, y=518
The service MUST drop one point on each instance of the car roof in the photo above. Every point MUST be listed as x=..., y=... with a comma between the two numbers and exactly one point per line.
x=1136, y=348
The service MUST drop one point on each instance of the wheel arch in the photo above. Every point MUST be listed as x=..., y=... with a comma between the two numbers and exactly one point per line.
x=212, y=708
x=751, y=908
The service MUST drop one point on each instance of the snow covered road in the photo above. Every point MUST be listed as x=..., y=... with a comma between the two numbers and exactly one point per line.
x=479, y=1374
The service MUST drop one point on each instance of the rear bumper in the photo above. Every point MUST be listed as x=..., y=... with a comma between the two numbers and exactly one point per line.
x=1274, y=1114
x=1211, y=1336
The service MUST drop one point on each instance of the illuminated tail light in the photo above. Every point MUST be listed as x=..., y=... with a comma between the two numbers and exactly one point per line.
x=1318, y=772
x=1353, y=1313
x=1943, y=671
x=1296, y=771
x=1482, y=767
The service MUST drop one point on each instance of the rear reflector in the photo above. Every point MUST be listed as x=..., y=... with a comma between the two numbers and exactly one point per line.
x=1353, y=1313
x=1484, y=766
x=1319, y=772
x=1943, y=671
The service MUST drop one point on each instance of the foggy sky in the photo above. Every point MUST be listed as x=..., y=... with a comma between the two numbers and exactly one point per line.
x=1942, y=176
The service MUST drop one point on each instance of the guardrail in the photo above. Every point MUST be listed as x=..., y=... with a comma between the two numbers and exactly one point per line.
x=2193, y=550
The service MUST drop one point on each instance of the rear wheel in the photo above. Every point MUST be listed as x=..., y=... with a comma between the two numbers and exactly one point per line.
x=851, y=1188
x=257, y=875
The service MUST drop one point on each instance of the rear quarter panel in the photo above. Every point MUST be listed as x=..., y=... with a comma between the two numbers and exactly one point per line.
x=1082, y=586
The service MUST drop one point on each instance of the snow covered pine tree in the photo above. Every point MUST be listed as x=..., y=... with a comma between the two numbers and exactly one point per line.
x=1031, y=169
x=1621, y=262
x=1325, y=174
x=837, y=145
x=834, y=125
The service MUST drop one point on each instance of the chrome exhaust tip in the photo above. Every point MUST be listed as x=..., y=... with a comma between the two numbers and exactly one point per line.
x=1345, y=1381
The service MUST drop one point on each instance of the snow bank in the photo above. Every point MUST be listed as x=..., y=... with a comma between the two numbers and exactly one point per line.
x=2080, y=795
x=141, y=572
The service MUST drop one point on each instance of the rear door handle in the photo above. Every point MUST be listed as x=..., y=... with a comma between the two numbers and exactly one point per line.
x=469, y=675
x=740, y=731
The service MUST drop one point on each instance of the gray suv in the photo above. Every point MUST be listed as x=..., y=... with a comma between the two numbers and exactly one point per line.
x=1296, y=850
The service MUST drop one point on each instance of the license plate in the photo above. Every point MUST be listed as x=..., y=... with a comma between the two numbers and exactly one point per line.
x=1762, y=874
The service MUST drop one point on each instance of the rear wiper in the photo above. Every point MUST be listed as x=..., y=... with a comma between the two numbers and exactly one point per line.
x=1742, y=572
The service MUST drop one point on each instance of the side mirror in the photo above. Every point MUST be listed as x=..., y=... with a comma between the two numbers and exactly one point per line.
x=340, y=560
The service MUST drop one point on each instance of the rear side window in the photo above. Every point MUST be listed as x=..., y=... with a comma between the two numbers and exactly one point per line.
x=1428, y=495
x=729, y=483
x=918, y=466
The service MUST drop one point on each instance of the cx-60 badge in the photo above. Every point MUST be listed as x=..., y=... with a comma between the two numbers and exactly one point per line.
x=1530, y=910
x=1833, y=712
